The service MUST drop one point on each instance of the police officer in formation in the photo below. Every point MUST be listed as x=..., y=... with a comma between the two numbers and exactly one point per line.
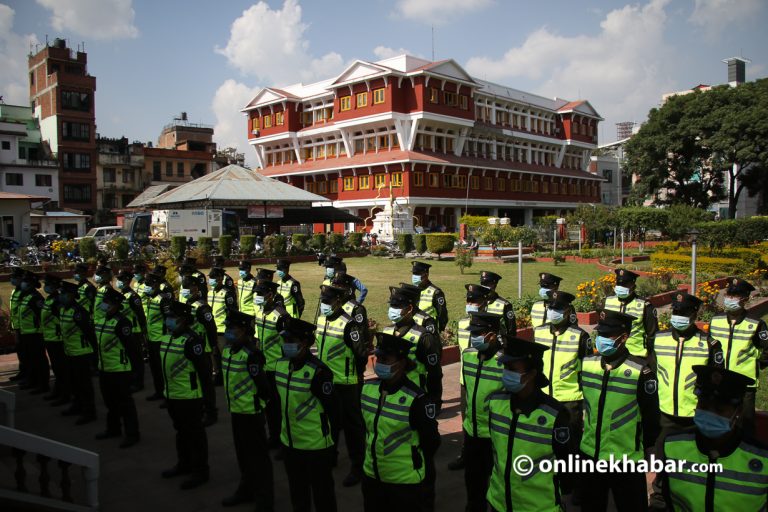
x=289, y=289
x=548, y=283
x=420, y=318
x=432, y=298
x=133, y=310
x=156, y=305
x=189, y=269
x=222, y=299
x=497, y=304
x=29, y=308
x=13, y=304
x=245, y=284
x=51, y=329
x=625, y=300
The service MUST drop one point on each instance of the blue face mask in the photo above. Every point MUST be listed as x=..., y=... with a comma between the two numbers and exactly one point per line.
x=185, y=293
x=77, y=277
x=383, y=371
x=148, y=290
x=98, y=279
x=478, y=342
x=242, y=273
x=543, y=293
x=230, y=336
x=606, y=346
x=120, y=284
x=512, y=381
x=104, y=307
x=290, y=350
x=711, y=425
x=621, y=292
x=170, y=323
x=555, y=317
x=732, y=304
x=395, y=314
x=138, y=277
x=415, y=279
x=325, y=309
x=680, y=323
x=258, y=299
x=329, y=272
x=471, y=308
x=212, y=283
x=281, y=274
x=25, y=286
x=49, y=289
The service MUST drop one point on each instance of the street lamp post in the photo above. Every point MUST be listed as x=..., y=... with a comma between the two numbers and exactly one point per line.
x=554, y=246
x=694, y=235
x=519, y=269
x=580, y=224
x=622, y=246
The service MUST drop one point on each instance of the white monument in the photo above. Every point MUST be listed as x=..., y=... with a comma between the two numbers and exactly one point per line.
x=392, y=221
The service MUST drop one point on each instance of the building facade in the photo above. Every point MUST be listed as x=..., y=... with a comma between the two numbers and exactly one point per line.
x=429, y=138
x=26, y=166
x=184, y=151
x=609, y=164
x=62, y=95
x=119, y=176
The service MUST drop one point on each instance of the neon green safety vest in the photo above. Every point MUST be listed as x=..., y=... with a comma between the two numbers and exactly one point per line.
x=155, y=320
x=674, y=366
x=98, y=314
x=82, y=298
x=15, y=308
x=739, y=351
x=112, y=353
x=561, y=362
x=481, y=379
x=289, y=301
x=612, y=421
x=513, y=435
x=305, y=425
x=419, y=373
x=426, y=302
x=75, y=343
x=197, y=326
x=741, y=485
x=270, y=342
x=29, y=323
x=50, y=321
x=127, y=311
x=245, y=295
x=241, y=392
x=538, y=313
x=333, y=351
x=393, y=452
x=636, y=307
x=462, y=338
x=420, y=318
x=497, y=308
x=181, y=380
x=219, y=308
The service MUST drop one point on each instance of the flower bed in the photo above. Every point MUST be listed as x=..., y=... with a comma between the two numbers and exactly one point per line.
x=630, y=259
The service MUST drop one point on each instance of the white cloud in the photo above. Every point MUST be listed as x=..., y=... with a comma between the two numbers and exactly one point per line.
x=385, y=52
x=714, y=15
x=14, y=81
x=95, y=19
x=438, y=11
x=231, y=125
x=620, y=69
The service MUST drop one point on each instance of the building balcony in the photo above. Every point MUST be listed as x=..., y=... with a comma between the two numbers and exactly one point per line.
x=32, y=163
x=114, y=159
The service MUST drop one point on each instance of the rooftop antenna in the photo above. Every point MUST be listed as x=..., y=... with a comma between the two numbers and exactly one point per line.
x=433, y=43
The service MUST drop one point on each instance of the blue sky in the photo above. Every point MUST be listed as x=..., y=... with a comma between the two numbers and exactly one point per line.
x=154, y=59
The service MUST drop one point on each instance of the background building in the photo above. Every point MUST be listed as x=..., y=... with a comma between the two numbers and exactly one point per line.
x=184, y=151
x=119, y=176
x=429, y=138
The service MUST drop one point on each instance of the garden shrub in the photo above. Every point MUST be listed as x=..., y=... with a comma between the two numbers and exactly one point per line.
x=121, y=248
x=275, y=246
x=178, y=247
x=464, y=258
x=88, y=249
x=204, y=244
x=439, y=243
x=420, y=243
x=335, y=242
x=318, y=242
x=405, y=242
x=247, y=245
x=379, y=250
x=355, y=241
x=706, y=264
x=300, y=242
x=225, y=245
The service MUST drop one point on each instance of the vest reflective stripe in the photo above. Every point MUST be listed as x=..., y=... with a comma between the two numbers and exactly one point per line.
x=497, y=308
x=98, y=314
x=420, y=318
x=14, y=308
x=245, y=295
x=739, y=351
x=462, y=340
x=561, y=362
x=50, y=322
x=425, y=301
x=285, y=289
x=74, y=341
x=481, y=379
x=305, y=425
x=636, y=307
x=538, y=313
x=219, y=307
x=239, y=388
x=742, y=485
x=612, y=417
x=392, y=450
x=419, y=372
x=674, y=366
x=332, y=350
x=127, y=311
x=155, y=320
x=27, y=316
x=270, y=342
x=198, y=327
x=512, y=435
x=181, y=380
x=112, y=353
x=83, y=299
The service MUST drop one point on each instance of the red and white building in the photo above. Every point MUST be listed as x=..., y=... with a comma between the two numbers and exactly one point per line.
x=431, y=136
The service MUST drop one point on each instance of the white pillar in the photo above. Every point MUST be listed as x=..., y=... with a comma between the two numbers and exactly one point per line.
x=457, y=216
x=494, y=212
x=528, y=216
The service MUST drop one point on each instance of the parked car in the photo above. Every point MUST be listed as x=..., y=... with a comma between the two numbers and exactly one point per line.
x=102, y=233
x=43, y=240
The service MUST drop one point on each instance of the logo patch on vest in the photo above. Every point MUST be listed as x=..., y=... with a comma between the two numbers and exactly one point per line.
x=430, y=411
x=441, y=301
x=355, y=336
x=306, y=374
x=208, y=316
x=627, y=372
x=541, y=420
x=402, y=400
x=650, y=386
x=253, y=369
x=126, y=331
x=764, y=335
x=430, y=329
x=510, y=314
x=359, y=318
x=562, y=435
x=573, y=318
x=755, y=465
x=327, y=388
x=719, y=357
x=432, y=359
x=197, y=348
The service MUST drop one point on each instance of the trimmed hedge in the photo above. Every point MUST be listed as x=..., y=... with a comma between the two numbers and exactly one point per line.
x=122, y=248
x=405, y=242
x=318, y=241
x=88, y=248
x=178, y=247
x=247, y=244
x=225, y=245
x=439, y=243
x=355, y=241
x=204, y=244
x=706, y=264
x=275, y=246
x=335, y=242
x=300, y=241
x=420, y=243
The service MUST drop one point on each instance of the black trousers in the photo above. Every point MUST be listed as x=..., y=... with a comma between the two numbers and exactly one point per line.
x=191, y=439
x=478, y=460
x=21, y=354
x=115, y=389
x=274, y=418
x=156, y=366
x=82, y=386
x=383, y=497
x=135, y=350
x=252, y=451
x=60, y=364
x=310, y=479
x=629, y=491
x=38, y=371
x=348, y=398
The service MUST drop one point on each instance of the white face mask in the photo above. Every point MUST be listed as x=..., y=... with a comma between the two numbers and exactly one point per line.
x=622, y=292
x=258, y=299
x=555, y=317
x=325, y=309
x=732, y=304
x=471, y=308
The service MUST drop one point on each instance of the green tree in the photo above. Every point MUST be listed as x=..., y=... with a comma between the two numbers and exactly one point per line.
x=639, y=220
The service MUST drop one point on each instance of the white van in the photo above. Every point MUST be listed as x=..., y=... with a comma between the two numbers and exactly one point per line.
x=101, y=233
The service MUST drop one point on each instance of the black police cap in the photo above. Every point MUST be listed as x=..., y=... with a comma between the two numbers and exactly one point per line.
x=216, y=272
x=283, y=264
x=739, y=288
x=516, y=349
x=244, y=265
x=52, y=279
x=624, y=276
x=264, y=274
x=341, y=267
x=487, y=277
x=152, y=279
x=125, y=275
x=82, y=268
x=613, y=323
x=403, y=297
x=103, y=269
x=298, y=330
x=546, y=279
x=113, y=296
x=180, y=309
x=560, y=300
x=139, y=268
x=343, y=280
x=482, y=321
x=17, y=272
x=190, y=261
x=389, y=344
x=240, y=319
x=332, y=261
x=331, y=292
x=419, y=267
x=189, y=281
x=218, y=261
x=69, y=288
x=476, y=292
x=721, y=384
x=264, y=287
x=685, y=303
x=30, y=276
